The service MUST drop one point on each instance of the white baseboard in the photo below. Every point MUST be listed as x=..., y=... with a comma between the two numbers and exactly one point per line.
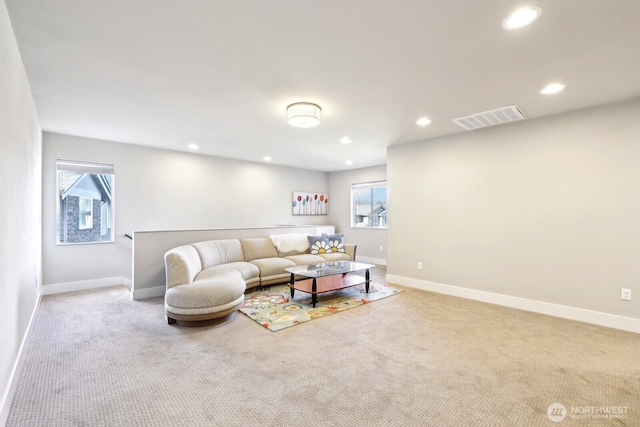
x=82, y=285
x=370, y=260
x=566, y=312
x=10, y=391
x=156, y=291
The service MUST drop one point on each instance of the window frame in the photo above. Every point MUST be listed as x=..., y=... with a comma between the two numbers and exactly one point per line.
x=94, y=182
x=353, y=211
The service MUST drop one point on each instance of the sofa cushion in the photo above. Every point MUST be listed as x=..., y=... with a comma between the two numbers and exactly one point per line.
x=182, y=264
x=216, y=252
x=273, y=266
x=259, y=247
x=247, y=270
x=318, y=244
x=305, y=259
x=336, y=256
x=223, y=289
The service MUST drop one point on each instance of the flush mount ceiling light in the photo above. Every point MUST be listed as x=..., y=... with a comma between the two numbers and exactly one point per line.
x=193, y=146
x=346, y=140
x=521, y=18
x=303, y=115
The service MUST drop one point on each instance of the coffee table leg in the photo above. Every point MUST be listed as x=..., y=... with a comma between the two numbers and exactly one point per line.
x=292, y=282
x=314, y=295
x=366, y=280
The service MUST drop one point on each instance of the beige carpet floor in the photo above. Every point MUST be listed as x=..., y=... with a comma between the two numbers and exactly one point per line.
x=97, y=358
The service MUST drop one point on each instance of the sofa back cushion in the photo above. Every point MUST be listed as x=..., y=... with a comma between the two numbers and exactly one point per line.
x=216, y=252
x=258, y=247
x=181, y=265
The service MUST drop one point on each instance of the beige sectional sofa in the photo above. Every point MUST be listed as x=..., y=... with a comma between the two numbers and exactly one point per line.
x=207, y=280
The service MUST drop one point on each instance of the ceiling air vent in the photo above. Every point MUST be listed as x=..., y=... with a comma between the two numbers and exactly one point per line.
x=490, y=118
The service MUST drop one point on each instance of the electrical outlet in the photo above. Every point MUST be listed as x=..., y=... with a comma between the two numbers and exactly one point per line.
x=419, y=266
x=625, y=294
x=380, y=248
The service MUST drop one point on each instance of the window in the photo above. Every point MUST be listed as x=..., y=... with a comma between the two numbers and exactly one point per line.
x=105, y=214
x=84, y=205
x=85, y=217
x=369, y=205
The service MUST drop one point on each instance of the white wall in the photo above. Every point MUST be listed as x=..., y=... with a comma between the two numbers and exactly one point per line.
x=164, y=190
x=546, y=210
x=20, y=191
x=369, y=241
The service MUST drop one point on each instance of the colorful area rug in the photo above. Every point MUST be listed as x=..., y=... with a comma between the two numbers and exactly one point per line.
x=275, y=310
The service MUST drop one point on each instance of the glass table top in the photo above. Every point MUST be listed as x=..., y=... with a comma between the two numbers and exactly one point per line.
x=329, y=268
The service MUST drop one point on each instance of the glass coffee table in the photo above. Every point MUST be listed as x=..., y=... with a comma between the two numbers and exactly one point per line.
x=327, y=277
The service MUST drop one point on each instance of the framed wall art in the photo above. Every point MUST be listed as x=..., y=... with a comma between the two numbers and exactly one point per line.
x=309, y=203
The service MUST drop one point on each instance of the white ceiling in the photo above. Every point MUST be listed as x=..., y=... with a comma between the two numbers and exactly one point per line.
x=164, y=73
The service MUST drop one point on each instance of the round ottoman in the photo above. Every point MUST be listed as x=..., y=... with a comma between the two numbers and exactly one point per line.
x=214, y=297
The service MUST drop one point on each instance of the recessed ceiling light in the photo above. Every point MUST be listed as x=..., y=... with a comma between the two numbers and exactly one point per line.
x=348, y=163
x=552, y=88
x=267, y=158
x=521, y=17
x=193, y=146
x=346, y=140
x=423, y=121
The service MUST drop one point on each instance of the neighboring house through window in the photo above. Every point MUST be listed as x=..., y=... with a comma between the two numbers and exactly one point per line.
x=369, y=205
x=85, y=202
